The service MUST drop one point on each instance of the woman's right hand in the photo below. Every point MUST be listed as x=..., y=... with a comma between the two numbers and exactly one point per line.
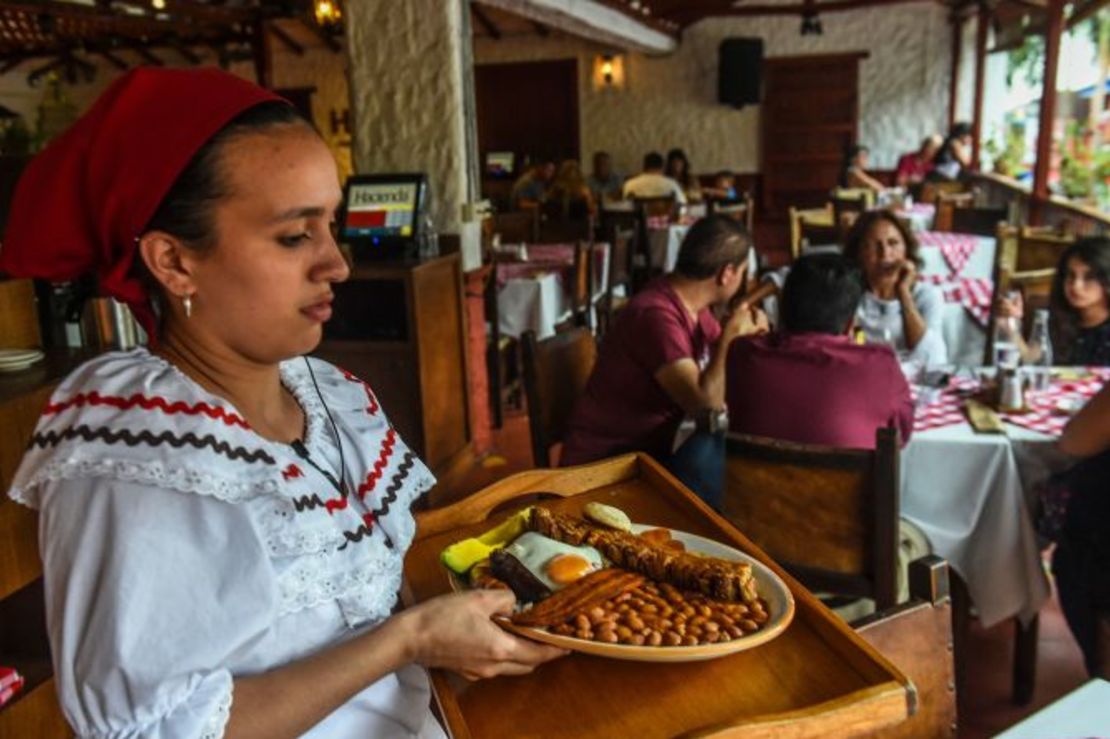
x=455, y=632
x=1011, y=306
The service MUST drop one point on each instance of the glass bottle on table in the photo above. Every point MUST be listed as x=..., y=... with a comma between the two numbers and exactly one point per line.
x=1007, y=351
x=1040, y=351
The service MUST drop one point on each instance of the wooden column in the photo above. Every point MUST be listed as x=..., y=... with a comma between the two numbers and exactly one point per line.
x=1054, y=29
x=957, y=46
x=980, y=75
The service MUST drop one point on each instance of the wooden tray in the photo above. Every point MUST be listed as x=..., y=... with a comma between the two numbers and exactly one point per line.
x=818, y=678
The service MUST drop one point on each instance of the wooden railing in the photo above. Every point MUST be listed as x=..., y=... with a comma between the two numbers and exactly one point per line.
x=1053, y=211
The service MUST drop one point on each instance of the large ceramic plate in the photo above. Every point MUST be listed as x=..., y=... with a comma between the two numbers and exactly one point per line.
x=780, y=605
x=16, y=360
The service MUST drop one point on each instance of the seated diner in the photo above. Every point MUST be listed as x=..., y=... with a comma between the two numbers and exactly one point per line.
x=664, y=361
x=652, y=182
x=897, y=308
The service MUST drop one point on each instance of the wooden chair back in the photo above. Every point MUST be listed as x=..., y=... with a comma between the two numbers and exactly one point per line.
x=583, y=289
x=1025, y=259
x=1037, y=249
x=917, y=637
x=517, y=226
x=647, y=209
x=741, y=209
x=828, y=515
x=947, y=204
x=555, y=374
x=979, y=221
x=853, y=194
x=931, y=191
x=811, y=227
x=664, y=207
x=622, y=244
x=846, y=209
x=559, y=225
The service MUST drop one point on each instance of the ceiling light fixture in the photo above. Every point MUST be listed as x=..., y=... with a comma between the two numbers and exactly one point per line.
x=158, y=4
x=328, y=13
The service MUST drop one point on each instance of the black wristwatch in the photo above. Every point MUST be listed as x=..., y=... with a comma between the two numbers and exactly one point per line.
x=713, y=420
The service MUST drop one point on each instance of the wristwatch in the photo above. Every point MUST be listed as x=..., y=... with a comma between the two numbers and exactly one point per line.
x=713, y=420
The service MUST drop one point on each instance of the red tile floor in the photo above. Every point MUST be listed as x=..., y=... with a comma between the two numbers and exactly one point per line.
x=986, y=708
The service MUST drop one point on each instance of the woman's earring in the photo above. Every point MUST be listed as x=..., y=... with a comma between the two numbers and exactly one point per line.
x=187, y=302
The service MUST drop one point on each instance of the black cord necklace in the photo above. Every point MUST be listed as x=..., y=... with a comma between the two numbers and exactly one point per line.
x=340, y=484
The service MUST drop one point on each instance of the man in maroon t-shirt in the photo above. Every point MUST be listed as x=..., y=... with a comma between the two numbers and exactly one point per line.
x=809, y=382
x=663, y=362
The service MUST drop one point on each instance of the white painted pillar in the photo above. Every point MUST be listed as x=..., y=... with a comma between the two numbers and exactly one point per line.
x=412, y=102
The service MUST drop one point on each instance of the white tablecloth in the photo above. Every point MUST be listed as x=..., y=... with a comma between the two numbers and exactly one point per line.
x=541, y=302
x=1081, y=713
x=968, y=493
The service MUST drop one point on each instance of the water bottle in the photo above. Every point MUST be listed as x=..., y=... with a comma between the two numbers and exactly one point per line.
x=429, y=243
x=1040, y=347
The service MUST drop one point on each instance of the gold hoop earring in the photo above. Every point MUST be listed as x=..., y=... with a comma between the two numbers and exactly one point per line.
x=187, y=303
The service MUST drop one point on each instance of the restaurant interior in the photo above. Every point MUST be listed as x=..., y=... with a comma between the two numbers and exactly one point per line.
x=519, y=178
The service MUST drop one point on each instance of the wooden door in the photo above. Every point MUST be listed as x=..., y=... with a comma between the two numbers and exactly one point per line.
x=530, y=108
x=810, y=114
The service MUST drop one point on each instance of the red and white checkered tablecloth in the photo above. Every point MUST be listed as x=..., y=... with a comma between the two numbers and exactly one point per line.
x=955, y=248
x=11, y=682
x=947, y=409
x=973, y=293
x=1044, y=415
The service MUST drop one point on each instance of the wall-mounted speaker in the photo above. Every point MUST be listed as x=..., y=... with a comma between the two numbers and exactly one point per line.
x=740, y=72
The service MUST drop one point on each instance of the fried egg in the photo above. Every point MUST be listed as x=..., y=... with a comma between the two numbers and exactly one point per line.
x=554, y=563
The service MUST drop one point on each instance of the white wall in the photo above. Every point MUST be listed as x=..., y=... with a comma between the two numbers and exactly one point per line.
x=671, y=101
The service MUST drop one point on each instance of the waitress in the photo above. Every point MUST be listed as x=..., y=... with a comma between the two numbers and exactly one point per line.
x=223, y=521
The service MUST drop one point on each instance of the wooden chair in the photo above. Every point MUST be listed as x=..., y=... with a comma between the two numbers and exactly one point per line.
x=555, y=375
x=517, y=226
x=582, y=289
x=559, y=227
x=930, y=191
x=979, y=221
x=827, y=515
x=854, y=193
x=846, y=209
x=622, y=242
x=742, y=209
x=502, y=354
x=647, y=209
x=947, y=204
x=917, y=637
x=1025, y=259
x=812, y=227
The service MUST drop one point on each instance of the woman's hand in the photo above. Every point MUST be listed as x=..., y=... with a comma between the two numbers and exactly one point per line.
x=907, y=277
x=454, y=632
x=1012, y=306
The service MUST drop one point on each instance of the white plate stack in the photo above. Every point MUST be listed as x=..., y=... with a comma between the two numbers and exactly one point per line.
x=16, y=360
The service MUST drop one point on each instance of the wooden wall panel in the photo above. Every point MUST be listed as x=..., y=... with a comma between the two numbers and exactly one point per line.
x=19, y=323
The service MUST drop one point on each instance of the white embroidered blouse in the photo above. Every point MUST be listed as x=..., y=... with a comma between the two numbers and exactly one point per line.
x=182, y=549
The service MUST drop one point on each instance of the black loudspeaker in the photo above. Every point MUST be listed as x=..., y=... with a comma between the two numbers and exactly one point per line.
x=740, y=72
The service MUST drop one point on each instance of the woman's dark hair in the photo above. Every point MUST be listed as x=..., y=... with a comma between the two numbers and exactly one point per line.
x=853, y=242
x=1093, y=252
x=186, y=210
x=821, y=295
x=850, y=154
x=710, y=244
x=959, y=130
x=673, y=157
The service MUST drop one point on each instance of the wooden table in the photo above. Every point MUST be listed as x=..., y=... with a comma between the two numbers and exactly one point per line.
x=817, y=679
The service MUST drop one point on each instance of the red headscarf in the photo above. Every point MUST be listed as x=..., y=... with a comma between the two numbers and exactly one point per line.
x=81, y=204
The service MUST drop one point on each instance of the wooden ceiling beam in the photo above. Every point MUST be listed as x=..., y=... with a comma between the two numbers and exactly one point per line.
x=283, y=36
x=185, y=52
x=192, y=11
x=541, y=29
x=323, y=35
x=692, y=12
x=485, y=21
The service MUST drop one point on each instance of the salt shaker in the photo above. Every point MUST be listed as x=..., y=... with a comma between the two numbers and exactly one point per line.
x=1011, y=397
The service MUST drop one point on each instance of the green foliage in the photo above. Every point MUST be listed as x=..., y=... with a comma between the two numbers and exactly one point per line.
x=1028, y=60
